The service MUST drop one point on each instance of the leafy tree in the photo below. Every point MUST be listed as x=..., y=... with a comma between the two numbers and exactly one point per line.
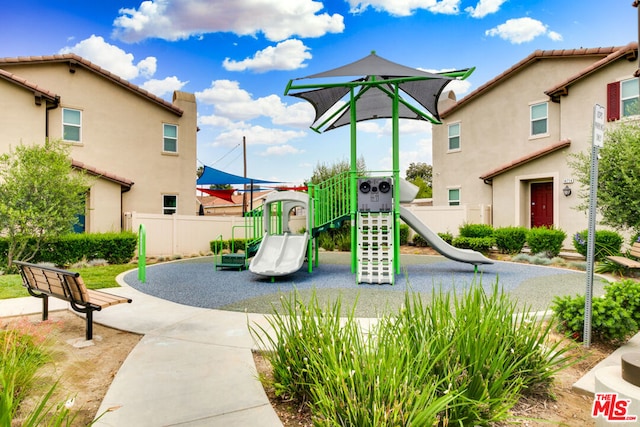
x=40, y=197
x=322, y=171
x=420, y=170
x=421, y=175
x=618, y=177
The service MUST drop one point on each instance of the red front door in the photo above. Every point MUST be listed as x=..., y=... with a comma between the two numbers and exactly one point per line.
x=542, y=204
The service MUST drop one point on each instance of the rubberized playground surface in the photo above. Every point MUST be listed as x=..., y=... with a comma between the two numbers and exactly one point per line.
x=197, y=282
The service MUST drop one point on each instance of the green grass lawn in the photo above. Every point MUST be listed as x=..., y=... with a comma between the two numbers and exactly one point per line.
x=94, y=278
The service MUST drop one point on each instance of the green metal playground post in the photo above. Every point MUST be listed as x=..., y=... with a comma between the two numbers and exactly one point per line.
x=142, y=254
x=396, y=178
x=353, y=180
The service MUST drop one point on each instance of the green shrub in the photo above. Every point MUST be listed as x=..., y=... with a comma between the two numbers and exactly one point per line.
x=116, y=248
x=614, y=316
x=236, y=245
x=476, y=230
x=404, y=234
x=510, y=240
x=627, y=294
x=607, y=243
x=326, y=242
x=447, y=237
x=419, y=241
x=545, y=240
x=217, y=246
x=426, y=365
x=480, y=244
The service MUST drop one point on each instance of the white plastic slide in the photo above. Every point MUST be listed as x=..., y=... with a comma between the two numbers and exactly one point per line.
x=280, y=255
x=436, y=242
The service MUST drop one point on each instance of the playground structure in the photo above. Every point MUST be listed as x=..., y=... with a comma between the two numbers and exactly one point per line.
x=282, y=251
x=371, y=203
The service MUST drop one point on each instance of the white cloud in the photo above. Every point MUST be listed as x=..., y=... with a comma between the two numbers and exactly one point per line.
x=180, y=19
x=287, y=55
x=484, y=8
x=232, y=102
x=522, y=30
x=406, y=7
x=256, y=135
x=163, y=87
x=112, y=58
x=281, y=150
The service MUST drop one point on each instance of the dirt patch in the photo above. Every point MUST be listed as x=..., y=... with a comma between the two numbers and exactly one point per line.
x=567, y=408
x=84, y=373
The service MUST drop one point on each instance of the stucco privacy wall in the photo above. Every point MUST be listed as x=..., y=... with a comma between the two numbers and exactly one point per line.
x=184, y=235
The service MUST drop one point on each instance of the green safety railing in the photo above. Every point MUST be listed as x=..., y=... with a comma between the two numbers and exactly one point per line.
x=331, y=200
x=253, y=223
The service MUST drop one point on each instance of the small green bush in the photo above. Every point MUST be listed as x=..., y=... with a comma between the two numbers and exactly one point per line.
x=217, y=246
x=326, y=242
x=510, y=240
x=236, y=245
x=419, y=241
x=607, y=243
x=547, y=240
x=614, y=317
x=627, y=294
x=480, y=244
x=447, y=237
x=404, y=234
x=476, y=230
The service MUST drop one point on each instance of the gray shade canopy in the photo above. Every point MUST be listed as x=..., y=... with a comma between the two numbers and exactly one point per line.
x=375, y=91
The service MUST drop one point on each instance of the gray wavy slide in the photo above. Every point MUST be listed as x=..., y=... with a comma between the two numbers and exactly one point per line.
x=436, y=242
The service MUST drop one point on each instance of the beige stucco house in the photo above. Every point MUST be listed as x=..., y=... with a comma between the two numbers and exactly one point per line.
x=140, y=149
x=506, y=145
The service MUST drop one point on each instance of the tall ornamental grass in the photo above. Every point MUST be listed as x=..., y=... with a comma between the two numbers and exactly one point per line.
x=464, y=359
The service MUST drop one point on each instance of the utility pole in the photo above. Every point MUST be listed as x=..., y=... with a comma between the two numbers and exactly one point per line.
x=244, y=193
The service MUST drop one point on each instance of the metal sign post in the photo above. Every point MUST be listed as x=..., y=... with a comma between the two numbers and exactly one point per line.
x=598, y=142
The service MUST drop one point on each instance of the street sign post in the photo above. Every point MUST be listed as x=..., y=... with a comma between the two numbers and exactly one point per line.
x=597, y=143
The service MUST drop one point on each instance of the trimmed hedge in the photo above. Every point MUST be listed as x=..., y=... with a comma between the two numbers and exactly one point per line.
x=510, y=240
x=545, y=240
x=115, y=248
x=476, y=230
x=480, y=244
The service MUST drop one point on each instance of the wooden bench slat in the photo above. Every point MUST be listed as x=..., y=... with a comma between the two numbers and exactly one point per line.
x=626, y=262
x=104, y=299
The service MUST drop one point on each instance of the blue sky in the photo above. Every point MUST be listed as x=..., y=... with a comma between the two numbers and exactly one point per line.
x=238, y=55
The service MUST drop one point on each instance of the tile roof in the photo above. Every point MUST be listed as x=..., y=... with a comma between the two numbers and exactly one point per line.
x=76, y=60
x=37, y=90
x=124, y=182
x=525, y=159
x=601, y=52
x=629, y=52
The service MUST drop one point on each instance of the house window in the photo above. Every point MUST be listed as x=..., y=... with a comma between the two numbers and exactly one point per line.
x=539, y=116
x=454, y=197
x=622, y=99
x=169, y=204
x=71, y=125
x=454, y=137
x=170, y=135
x=629, y=97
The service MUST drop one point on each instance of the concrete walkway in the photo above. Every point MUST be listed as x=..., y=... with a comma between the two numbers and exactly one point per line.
x=194, y=366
